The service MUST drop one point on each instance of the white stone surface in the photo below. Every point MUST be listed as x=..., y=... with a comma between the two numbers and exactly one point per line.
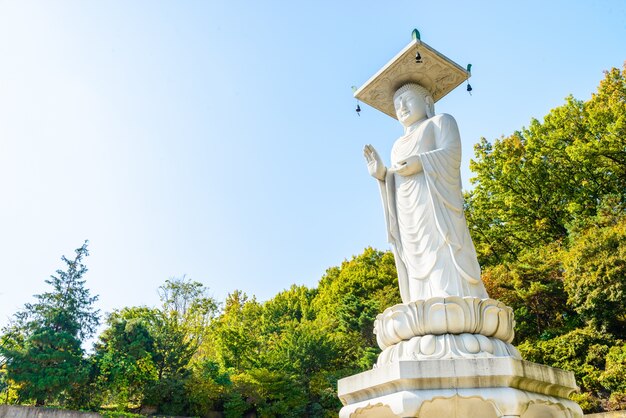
x=505, y=386
x=455, y=374
x=447, y=346
x=438, y=316
x=423, y=203
x=437, y=73
x=442, y=328
x=464, y=403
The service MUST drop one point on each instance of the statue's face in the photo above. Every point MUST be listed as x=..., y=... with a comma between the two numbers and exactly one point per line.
x=410, y=108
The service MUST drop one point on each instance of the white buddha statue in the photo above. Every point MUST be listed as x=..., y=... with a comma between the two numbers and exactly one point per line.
x=423, y=202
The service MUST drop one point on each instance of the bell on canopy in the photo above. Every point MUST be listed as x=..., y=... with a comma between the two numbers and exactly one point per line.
x=434, y=71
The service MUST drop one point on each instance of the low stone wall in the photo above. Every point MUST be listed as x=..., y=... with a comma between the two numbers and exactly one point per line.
x=11, y=411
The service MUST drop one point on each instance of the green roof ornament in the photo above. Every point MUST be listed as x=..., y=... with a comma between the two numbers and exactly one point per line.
x=416, y=38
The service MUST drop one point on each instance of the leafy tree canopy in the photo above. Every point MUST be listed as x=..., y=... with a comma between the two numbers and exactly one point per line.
x=538, y=184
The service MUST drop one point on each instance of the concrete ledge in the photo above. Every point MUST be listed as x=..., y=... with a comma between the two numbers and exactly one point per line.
x=463, y=403
x=13, y=411
x=497, y=372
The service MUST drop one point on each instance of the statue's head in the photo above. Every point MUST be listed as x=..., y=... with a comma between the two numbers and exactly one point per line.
x=413, y=103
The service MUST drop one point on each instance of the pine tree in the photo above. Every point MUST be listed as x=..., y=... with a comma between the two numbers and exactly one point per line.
x=42, y=348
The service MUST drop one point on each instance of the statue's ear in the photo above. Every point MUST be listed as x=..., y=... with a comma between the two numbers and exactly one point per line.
x=430, y=106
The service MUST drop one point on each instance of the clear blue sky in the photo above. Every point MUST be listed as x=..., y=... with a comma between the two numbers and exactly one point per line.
x=218, y=139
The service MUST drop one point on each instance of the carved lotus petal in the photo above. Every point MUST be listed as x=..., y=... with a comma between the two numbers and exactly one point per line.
x=401, y=326
x=502, y=332
x=439, y=316
x=485, y=343
x=491, y=320
x=428, y=344
x=470, y=343
x=436, y=319
x=414, y=345
x=455, y=319
x=432, y=347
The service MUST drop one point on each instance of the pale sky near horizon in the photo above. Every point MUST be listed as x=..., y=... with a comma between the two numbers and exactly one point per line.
x=218, y=139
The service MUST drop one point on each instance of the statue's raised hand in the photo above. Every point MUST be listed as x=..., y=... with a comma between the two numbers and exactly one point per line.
x=375, y=165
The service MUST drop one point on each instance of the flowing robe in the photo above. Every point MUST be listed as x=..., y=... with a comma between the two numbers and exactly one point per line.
x=434, y=253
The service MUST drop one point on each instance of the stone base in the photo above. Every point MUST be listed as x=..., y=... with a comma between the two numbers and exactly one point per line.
x=448, y=346
x=455, y=388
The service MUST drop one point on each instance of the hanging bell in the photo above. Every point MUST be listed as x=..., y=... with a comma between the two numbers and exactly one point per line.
x=418, y=58
x=469, y=88
x=358, y=109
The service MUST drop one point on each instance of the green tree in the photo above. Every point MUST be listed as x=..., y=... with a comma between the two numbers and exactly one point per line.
x=583, y=351
x=42, y=348
x=533, y=286
x=548, y=217
x=236, y=336
x=535, y=186
x=187, y=312
x=172, y=355
x=294, y=304
x=124, y=355
x=144, y=355
x=269, y=393
x=187, y=304
x=348, y=299
x=301, y=348
x=206, y=387
x=595, y=276
x=613, y=377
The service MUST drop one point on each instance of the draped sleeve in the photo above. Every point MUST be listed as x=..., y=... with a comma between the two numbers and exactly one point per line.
x=387, y=195
x=441, y=168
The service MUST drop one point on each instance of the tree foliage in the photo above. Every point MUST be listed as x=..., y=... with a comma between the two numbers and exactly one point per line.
x=548, y=216
x=42, y=348
x=144, y=355
x=538, y=184
x=124, y=355
x=595, y=276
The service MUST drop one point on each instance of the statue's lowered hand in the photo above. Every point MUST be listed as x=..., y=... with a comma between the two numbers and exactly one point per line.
x=408, y=167
x=375, y=165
